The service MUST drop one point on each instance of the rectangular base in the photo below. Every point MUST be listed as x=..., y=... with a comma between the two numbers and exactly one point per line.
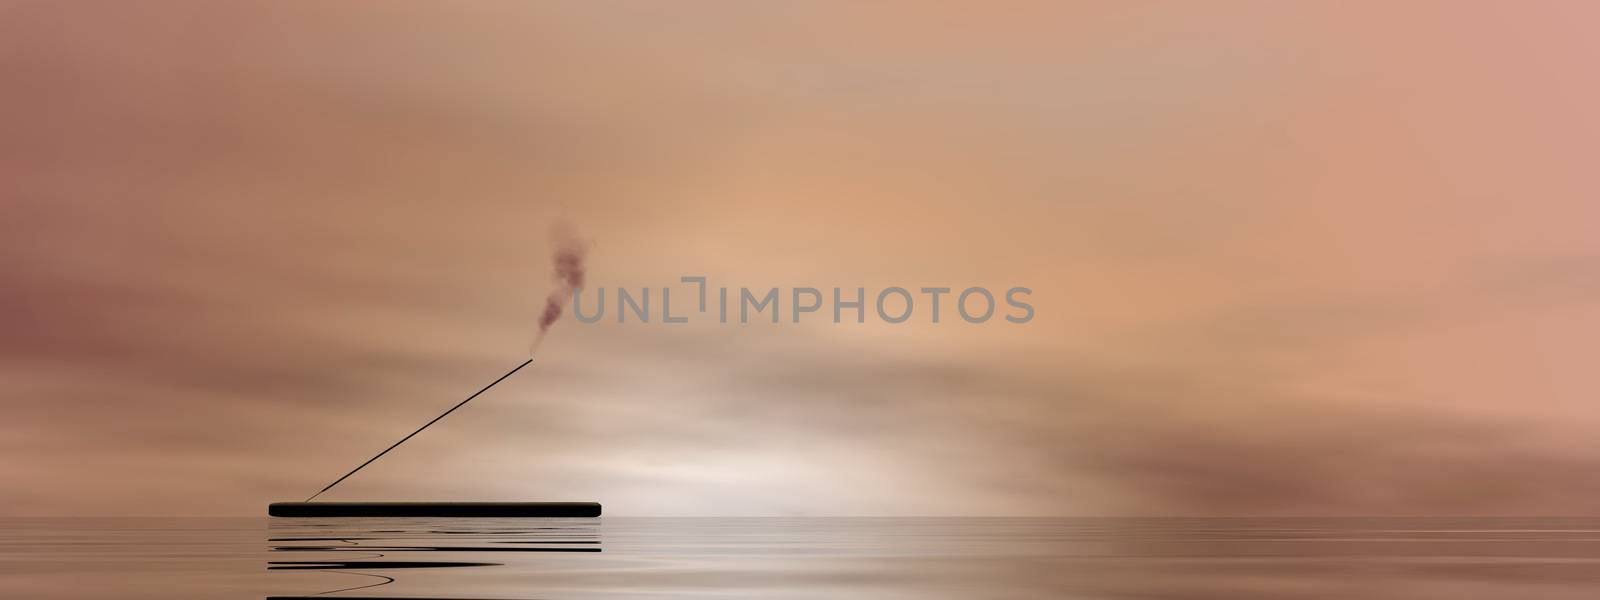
x=434, y=509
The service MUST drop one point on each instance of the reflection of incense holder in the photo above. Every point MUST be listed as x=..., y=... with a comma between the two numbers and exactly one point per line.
x=432, y=509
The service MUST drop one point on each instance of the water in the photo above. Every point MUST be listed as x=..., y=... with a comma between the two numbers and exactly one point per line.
x=1458, y=559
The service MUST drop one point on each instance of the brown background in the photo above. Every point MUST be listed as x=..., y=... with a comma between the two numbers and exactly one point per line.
x=1287, y=258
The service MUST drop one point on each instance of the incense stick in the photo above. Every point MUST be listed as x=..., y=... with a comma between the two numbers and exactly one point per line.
x=425, y=426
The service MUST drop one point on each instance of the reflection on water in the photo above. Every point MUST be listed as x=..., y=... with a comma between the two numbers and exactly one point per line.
x=800, y=558
x=367, y=547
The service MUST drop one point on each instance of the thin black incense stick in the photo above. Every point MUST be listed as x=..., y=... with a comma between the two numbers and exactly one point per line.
x=419, y=429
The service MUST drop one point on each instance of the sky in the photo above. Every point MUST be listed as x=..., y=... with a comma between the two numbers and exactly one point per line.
x=1286, y=258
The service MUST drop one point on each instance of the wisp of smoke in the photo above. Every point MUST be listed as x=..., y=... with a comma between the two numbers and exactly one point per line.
x=568, y=276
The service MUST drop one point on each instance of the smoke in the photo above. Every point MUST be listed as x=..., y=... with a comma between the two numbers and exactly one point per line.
x=568, y=276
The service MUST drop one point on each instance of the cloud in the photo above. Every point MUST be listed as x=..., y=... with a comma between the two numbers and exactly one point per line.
x=229, y=276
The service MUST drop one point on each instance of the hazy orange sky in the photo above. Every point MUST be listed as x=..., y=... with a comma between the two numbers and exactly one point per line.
x=1287, y=258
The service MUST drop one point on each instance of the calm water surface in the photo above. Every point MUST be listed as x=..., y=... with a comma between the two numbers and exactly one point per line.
x=800, y=558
